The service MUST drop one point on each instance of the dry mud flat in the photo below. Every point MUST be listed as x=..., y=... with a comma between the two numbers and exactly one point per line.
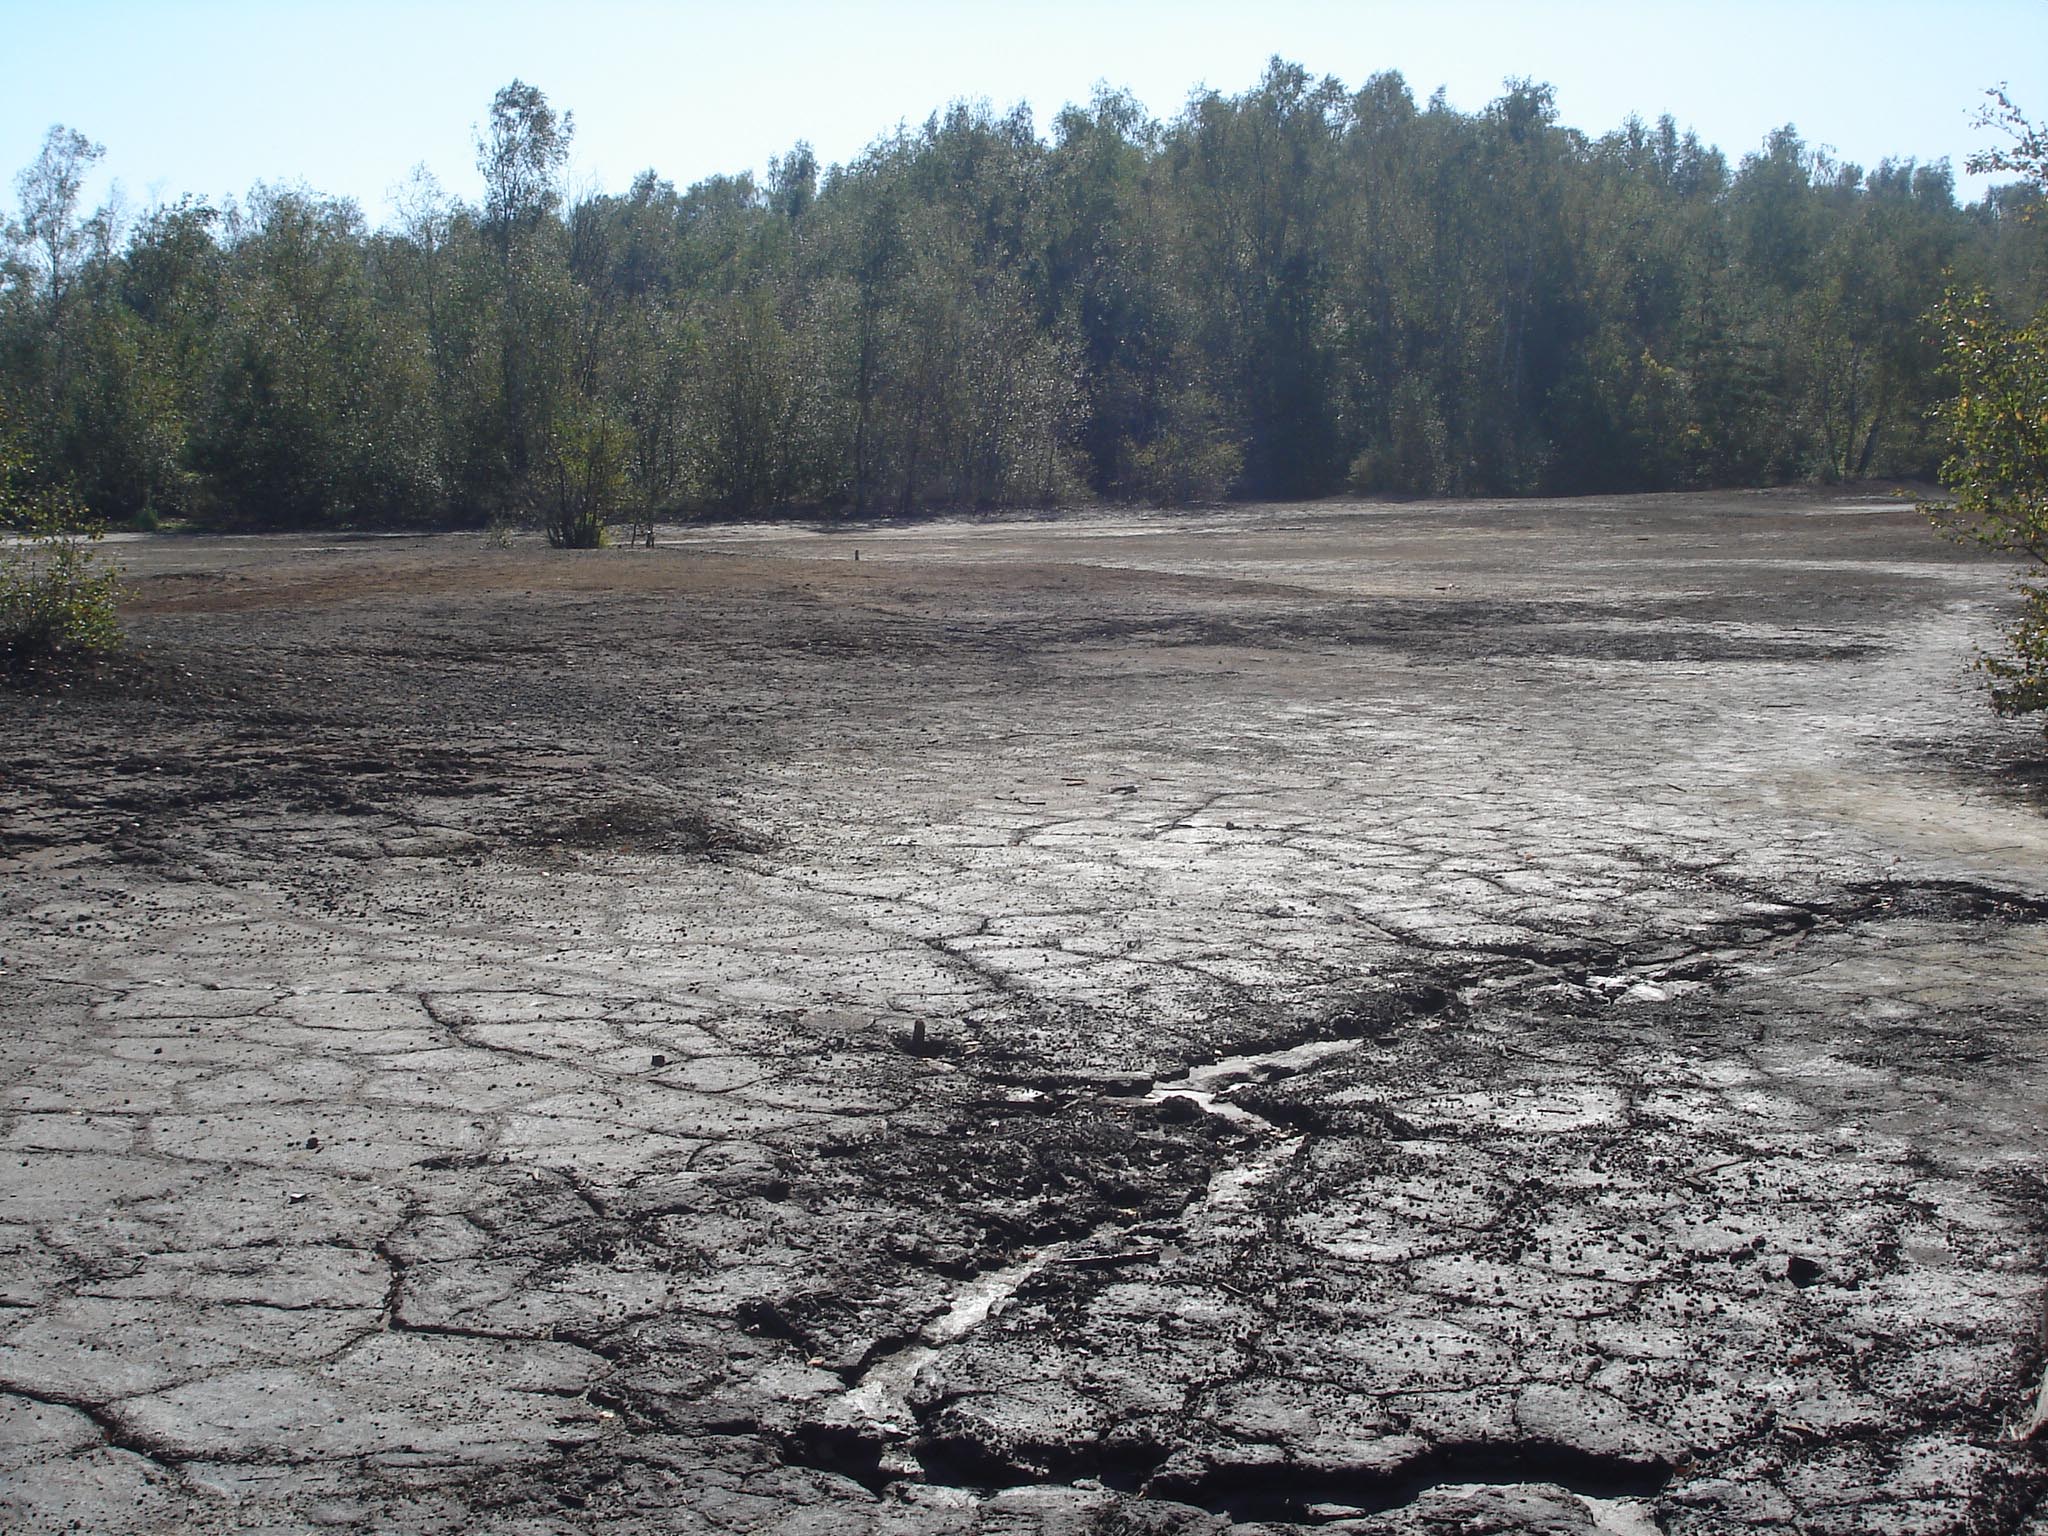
x=1515, y=1018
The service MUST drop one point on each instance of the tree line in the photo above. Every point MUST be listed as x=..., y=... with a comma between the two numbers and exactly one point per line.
x=1296, y=291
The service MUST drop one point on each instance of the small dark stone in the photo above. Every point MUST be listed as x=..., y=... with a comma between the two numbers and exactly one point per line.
x=661, y=1061
x=1801, y=1271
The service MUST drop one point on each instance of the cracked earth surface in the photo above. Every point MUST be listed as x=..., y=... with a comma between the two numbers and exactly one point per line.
x=1497, y=1017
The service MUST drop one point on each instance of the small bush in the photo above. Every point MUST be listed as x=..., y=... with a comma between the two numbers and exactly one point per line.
x=1175, y=471
x=56, y=599
x=584, y=529
x=1997, y=471
x=2019, y=678
x=586, y=483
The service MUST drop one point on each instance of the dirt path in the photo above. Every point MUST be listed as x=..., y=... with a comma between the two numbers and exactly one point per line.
x=1520, y=1017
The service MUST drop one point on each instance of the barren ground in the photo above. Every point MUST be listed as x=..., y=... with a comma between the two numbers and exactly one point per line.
x=1519, y=1017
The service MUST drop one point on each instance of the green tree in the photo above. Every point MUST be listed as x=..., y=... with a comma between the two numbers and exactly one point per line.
x=657, y=366
x=1996, y=428
x=53, y=242
x=748, y=404
x=1280, y=292
x=54, y=258
x=1869, y=369
x=1997, y=471
x=318, y=406
x=522, y=155
x=1259, y=180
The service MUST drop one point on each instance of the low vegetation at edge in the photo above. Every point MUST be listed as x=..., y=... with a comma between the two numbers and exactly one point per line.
x=56, y=597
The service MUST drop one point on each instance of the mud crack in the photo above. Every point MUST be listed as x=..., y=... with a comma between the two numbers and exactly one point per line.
x=890, y=1426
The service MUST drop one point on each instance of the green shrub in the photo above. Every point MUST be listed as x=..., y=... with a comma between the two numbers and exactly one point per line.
x=1174, y=471
x=56, y=599
x=1996, y=428
x=2019, y=678
x=586, y=481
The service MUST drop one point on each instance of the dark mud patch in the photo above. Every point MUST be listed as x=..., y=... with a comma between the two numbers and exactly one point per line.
x=1946, y=901
x=1454, y=629
x=1015, y=1176
x=144, y=807
x=131, y=673
x=1375, y=1011
x=246, y=767
x=1292, y=1494
x=628, y=826
x=2013, y=764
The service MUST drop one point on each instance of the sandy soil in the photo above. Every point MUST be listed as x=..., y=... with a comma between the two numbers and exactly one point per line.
x=1518, y=1017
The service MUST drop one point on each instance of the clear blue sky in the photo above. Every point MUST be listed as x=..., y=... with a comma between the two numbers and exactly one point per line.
x=209, y=96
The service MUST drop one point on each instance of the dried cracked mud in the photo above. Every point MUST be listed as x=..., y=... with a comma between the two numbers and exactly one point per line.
x=1510, y=1017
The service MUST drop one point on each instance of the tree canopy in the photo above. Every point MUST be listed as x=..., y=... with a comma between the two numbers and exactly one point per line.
x=1298, y=290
